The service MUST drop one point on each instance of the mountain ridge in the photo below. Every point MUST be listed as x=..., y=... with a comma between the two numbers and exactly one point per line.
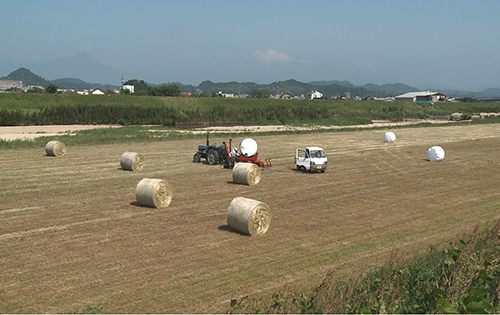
x=291, y=86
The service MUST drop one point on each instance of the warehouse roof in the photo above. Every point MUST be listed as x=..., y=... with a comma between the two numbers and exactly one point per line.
x=415, y=94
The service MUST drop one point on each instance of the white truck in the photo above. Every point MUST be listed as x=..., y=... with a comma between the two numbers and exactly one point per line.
x=311, y=159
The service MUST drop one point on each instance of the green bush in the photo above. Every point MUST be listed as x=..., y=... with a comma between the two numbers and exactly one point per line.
x=461, y=278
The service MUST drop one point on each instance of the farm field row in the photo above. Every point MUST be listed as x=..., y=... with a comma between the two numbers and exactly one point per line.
x=73, y=239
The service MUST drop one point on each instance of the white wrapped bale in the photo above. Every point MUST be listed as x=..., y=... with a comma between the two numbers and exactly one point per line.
x=132, y=161
x=389, y=137
x=55, y=148
x=152, y=192
x=246, y=173
x=248, y=147
x=249, y=216
x=435, y=153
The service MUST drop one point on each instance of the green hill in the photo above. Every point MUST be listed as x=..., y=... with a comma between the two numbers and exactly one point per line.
x=28, y=77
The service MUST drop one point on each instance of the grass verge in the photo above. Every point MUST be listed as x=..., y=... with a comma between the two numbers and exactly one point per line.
x=460, y=278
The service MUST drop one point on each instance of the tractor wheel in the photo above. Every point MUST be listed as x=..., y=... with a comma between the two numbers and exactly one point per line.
x=212, y=157
x=197, y=158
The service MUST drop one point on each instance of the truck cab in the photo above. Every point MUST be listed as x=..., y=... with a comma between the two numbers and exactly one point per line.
x=311, y=159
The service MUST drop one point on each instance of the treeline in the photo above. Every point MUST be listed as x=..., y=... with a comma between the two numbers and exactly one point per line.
x=263, y=113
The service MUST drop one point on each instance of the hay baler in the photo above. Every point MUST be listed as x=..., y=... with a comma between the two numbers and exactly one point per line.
x=249, y=154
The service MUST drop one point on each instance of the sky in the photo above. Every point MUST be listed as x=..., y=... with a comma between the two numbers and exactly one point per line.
x=442, y=44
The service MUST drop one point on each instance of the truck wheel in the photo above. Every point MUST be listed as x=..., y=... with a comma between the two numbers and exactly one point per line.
x=302, y=168
x=212, y=157
x=197, y=158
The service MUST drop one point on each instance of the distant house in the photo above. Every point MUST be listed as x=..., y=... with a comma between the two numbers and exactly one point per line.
x=425, y=97
x=129, y=87
x=314, y=94
x=99, y=91
x=186, y=94
x=285, y=96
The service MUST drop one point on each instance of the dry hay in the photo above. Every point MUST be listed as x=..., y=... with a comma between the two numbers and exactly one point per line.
x=249, y=216
x=246, y=173
x=55, y=148
x=132, y=161
x=152, y=192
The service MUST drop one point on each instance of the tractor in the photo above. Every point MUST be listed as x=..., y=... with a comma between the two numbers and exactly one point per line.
x=212, y=153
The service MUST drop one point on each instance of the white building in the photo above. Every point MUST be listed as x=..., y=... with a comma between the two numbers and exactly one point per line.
x=7, y=84
x=129, y=87
x=314, y=94
x=99, y=91
x=421, y=97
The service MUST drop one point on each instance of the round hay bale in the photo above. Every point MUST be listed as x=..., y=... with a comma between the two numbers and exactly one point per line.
x=152, y=192
x=246, y=173
x=132, y=161
x=55, y=148
x=249, y=216
x=435, y=153
x=389, y=137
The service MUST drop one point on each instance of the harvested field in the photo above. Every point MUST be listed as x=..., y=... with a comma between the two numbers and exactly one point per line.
x=73, y=239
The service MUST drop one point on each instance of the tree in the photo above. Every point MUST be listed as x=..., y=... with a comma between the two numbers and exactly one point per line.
x=260, y=93
x=139, y=85
x=35, y=89
x=165, y=90
x=51, y=89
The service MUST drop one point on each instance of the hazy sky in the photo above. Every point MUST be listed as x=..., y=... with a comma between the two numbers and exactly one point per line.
x=435, y=43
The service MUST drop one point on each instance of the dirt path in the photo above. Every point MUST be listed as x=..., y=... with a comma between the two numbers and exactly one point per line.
x=376, y=123
x=31, y=132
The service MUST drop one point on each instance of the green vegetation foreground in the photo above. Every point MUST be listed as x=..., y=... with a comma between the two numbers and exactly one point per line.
x=462, y=278
x=33, y=109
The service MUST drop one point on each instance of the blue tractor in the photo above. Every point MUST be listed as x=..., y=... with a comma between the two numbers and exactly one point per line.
x=212, y=153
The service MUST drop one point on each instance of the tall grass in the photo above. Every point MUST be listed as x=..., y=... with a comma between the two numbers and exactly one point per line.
x=29, y=109
x=461, y=278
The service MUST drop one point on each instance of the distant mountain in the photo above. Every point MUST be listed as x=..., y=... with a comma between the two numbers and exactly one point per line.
x=28, y=77
x=344, y=83
x=492, y=92
x=292, y=87
x=86, y=64
x=82, y=66
x=393, y=89
x=77, y=84
x=71, y=83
